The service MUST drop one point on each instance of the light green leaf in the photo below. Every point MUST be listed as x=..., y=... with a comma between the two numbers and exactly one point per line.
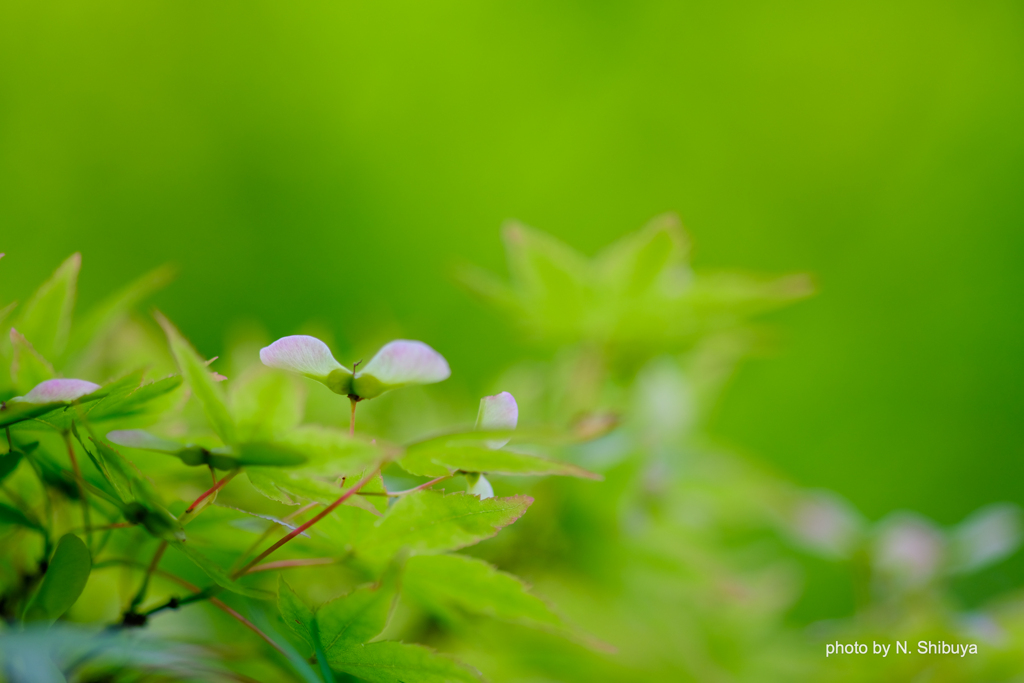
x=46, y=316
x=441, y=582
x=637, y=261
x=294, y=487
x=13, y=413
x=65, y=578
x=206, y=390
x=120, y=400
x=28, y=367
x=347, y=621
x=437, y=461
x=550, y=277
x=391, y=662
x=361, y=615
x=219, y=576
x=116, y=307
x=330, y=450
x=265, y=404
x=131, y=402
x=295, y=612
x=432, y=522
x=118, y=472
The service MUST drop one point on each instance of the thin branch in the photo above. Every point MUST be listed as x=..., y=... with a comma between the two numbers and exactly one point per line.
x=80, y=480
x=141, y=595
x=248, y=624
x=323, y=513
x=231, y=475
x=352, y=421
x=288, y=564
x=218, y=603
x=394, y=494
x=304, y=508
x=268, y=532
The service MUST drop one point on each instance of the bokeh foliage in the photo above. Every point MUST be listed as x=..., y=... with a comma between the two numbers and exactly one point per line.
x=288, y=156
x=659, y=556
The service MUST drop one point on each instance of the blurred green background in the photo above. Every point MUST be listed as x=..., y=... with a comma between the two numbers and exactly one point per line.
x=332, y=161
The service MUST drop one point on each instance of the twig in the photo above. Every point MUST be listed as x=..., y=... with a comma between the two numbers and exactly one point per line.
x=141, y=595
x=392, y=494
x=298, y=530
x=288, y=564
x=81, y=487
x=268, y=531
x=352, y=421
x=217, y=603
x=231, y=475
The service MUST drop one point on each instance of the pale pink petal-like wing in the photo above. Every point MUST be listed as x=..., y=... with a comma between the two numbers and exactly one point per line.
x=481, y=487
x=497, y=412
x=138, y=438
x=57, y=391
x=302, y=354
x=399, y=363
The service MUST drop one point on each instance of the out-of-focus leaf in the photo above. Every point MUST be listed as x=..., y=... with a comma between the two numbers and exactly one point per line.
x=548, y=274
x=12, y=515
x=46, y=316
x=295, y=612
x=127, y=403
x=267, y=455
x=6, y=311
x=28, y=367
x=441, y=582
x=439, y=461
x=13, y=413
x=66, y=576
x=391, y=662
x=117, y=471
x=9, y=463
x=431, y=522
x=143, y=504
x=118, y=401
x=265, y=404
x=206, y=390
x=115, y=307
x=219, y=576
x=632, y=265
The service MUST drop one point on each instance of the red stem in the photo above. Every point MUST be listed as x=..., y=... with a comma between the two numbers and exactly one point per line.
x=248, y=624
x=81, y=488
x=288, y=564
x=425, y=485
x=298, y=530
x=213, y=490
